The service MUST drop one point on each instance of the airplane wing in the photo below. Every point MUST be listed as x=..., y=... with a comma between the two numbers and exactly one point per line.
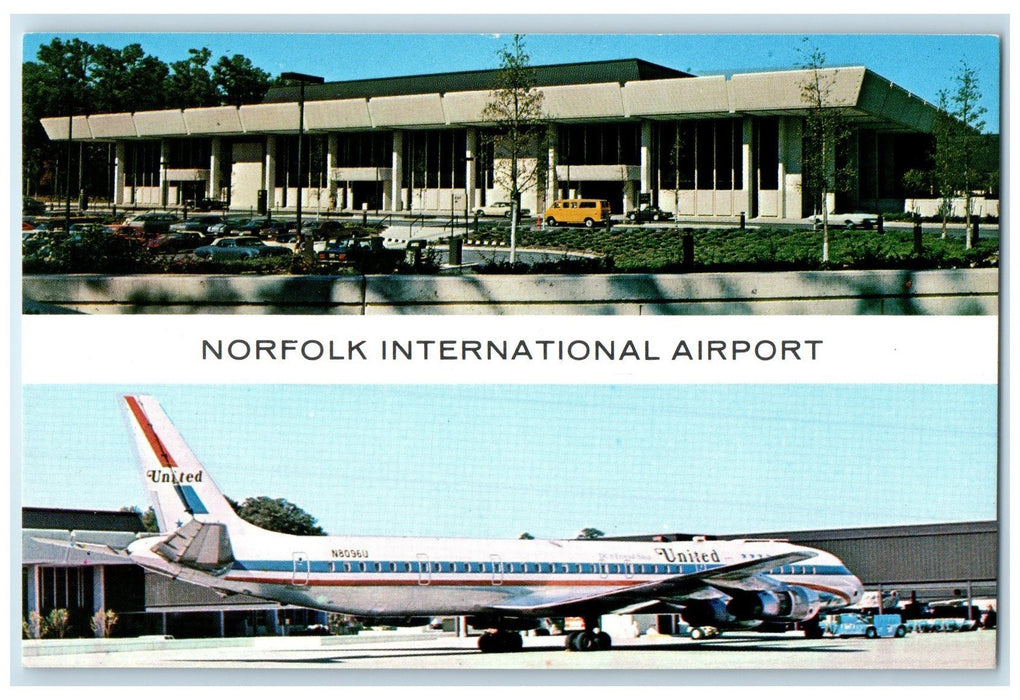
x=746, y=575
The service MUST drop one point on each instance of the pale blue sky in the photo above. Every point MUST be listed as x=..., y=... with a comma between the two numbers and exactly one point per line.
x=496, y=460
x=922, y=63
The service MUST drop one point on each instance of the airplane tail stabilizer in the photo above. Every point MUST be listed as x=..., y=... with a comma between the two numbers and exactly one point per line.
x=179, y=487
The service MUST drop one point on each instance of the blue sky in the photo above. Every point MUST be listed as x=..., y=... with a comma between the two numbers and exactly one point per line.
x=497, y=460
x=922, y=63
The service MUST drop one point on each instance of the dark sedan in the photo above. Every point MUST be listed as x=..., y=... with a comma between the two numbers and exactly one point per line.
x=648, y=213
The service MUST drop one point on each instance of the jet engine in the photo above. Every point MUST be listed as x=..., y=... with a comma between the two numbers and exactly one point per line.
x=792, y=605
x=751, y=608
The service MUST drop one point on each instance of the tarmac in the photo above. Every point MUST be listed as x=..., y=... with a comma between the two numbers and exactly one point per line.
x=969, y=652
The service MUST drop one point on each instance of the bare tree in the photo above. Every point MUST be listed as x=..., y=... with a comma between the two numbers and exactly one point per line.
x=519, y=129
x=826, y=133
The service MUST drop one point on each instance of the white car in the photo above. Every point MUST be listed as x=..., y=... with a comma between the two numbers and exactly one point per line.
x=848, y=221
x=499, y=209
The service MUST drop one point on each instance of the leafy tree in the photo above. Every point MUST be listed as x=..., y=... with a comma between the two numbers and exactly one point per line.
x=277, y=515
x=520, y=131
x=238, y=81
x=590, y=533
x=963, y=138
x=148, y=517
x=943, y=172
x=826, y=134
x=75, y=77
x=190, y=84
x=525, y=536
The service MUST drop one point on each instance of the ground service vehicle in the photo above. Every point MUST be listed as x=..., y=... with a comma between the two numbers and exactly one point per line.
x=578, y=211
x=870, y=626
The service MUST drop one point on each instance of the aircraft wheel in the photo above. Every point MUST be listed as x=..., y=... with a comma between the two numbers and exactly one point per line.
x=603, y=641
x=487, y=643
x=513, y=641
x=697, y=633
x=585, y=641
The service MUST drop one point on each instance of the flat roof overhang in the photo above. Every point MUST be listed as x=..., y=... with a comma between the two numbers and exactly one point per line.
x=868, y=98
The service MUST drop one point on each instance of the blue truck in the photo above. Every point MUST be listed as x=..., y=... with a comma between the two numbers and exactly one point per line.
x=870, y=626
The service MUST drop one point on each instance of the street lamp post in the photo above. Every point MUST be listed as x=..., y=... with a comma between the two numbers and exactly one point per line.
x=302, y=79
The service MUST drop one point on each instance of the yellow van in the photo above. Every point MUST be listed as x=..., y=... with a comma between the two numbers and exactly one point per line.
x=578, y=211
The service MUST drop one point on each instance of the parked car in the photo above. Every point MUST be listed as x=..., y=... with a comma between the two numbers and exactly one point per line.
x=500, y=209
x=235, y=248
x=200, y=223
x=31, y=207
x=205, y=204
x=649, y=212
x=177, y=242
x=360, y=252
x=849, y=221
x=153, y=221
x=228, y=225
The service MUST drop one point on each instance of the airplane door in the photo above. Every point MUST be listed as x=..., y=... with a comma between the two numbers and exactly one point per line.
x=302, y=568
x=424, y=570
x=497, y=570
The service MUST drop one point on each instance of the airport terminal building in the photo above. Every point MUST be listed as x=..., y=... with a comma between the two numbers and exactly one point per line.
x=929, y=561
x=712, y=146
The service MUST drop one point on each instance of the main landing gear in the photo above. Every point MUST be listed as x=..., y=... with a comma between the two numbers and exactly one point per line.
x=704, y=632
x=591, y=639
x=500, y=641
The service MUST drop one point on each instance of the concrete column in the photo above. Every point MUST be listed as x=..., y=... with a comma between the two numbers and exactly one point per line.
x=332, y=156
x=119, y=161
x=646, y=156
x=215, y=158
x=471, y=155
x=397, y=165
x=32, y=589
x=750, y=170
x=269, y=172
x=98, y=588
x=552, y=189
x=164, y=163
x=630, y=199
x=783, y=146
x=792, y=162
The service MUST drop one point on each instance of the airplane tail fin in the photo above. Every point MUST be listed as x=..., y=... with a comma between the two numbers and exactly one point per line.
x=179, y=487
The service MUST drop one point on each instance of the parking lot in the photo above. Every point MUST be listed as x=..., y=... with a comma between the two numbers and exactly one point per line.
x=959, y=651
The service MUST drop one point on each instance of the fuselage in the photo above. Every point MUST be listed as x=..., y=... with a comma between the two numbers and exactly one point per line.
x=404, y=576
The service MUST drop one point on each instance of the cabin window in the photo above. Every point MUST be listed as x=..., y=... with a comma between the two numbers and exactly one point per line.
x=347, y=567
x=361, y=566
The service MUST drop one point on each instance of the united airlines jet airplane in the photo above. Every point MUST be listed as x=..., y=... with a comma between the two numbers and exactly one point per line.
x=502, y=586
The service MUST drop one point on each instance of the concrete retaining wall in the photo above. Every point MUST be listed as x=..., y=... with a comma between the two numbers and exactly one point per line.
x=961, y=292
